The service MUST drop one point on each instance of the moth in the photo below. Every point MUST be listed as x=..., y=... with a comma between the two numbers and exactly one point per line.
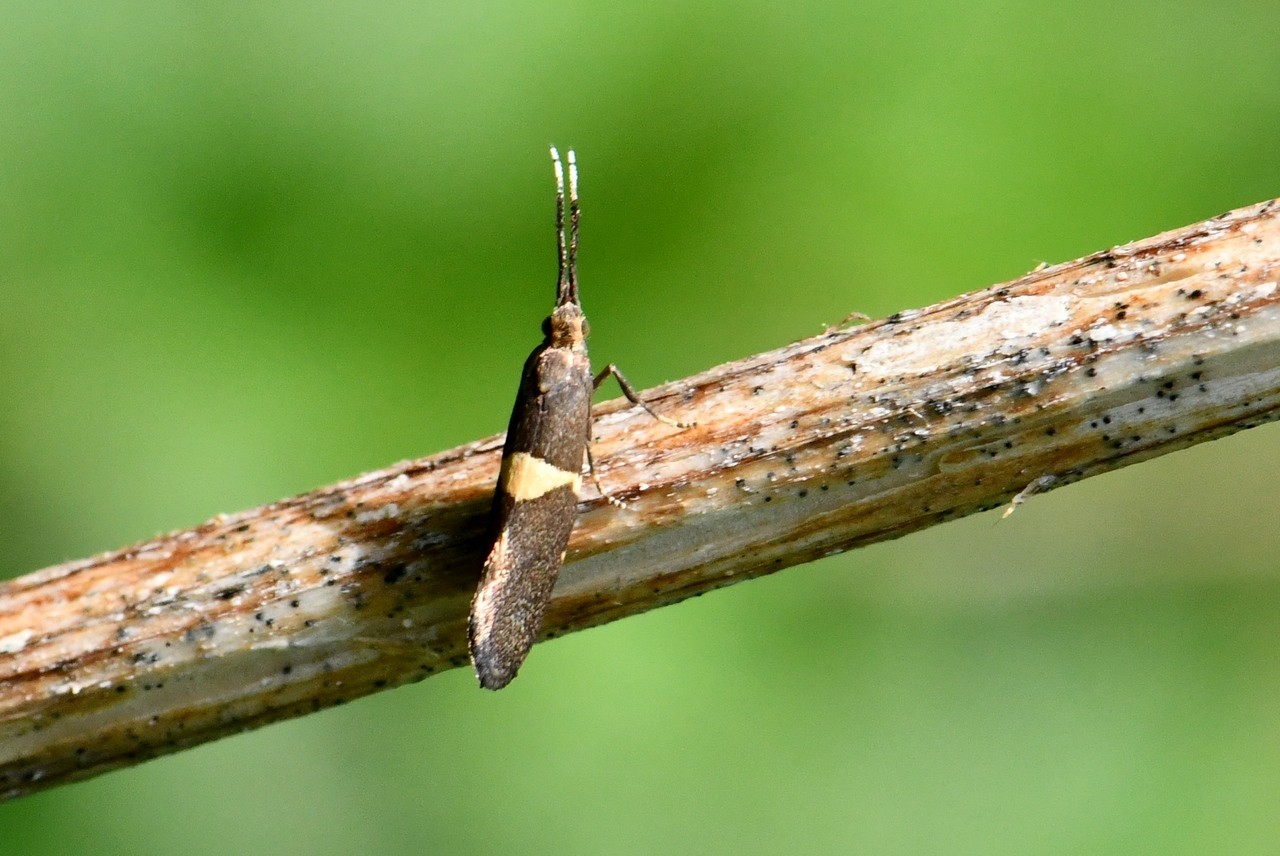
x=548, y=439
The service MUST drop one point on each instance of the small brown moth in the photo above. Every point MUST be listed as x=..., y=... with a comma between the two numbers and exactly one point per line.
x=541, y=475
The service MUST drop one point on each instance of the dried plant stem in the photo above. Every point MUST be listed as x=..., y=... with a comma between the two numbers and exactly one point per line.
x=851, y=437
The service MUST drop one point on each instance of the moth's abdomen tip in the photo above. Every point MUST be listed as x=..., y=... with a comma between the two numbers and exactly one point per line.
x=493, y=679
x=492, y=669
x=494, y=666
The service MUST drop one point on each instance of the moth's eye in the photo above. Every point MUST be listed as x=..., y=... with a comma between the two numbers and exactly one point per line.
x=586, y=328
x=546, y=326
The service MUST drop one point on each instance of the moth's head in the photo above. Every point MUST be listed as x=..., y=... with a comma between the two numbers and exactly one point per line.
x=566, y=327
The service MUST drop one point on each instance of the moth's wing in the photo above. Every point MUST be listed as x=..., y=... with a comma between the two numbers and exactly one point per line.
x=519, y=573
x=534, y=509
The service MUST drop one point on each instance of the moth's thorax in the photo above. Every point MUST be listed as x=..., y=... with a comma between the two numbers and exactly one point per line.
x=566, y=327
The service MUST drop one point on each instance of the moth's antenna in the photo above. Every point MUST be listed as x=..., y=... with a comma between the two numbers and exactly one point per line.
x=562, y=283
x=573, y=226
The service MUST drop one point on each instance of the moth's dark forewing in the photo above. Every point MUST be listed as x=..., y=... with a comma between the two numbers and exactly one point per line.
x=549, y=423
x=553, y=408
x=506, y=615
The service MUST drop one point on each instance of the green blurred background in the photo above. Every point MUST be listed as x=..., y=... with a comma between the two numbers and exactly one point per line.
x=248, y=251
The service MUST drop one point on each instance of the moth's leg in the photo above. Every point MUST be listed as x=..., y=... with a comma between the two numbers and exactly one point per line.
x=634, y=397
x=591, y=466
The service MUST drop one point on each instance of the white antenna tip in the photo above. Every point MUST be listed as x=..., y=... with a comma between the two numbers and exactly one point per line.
x=555, y=162
x=573, y=176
